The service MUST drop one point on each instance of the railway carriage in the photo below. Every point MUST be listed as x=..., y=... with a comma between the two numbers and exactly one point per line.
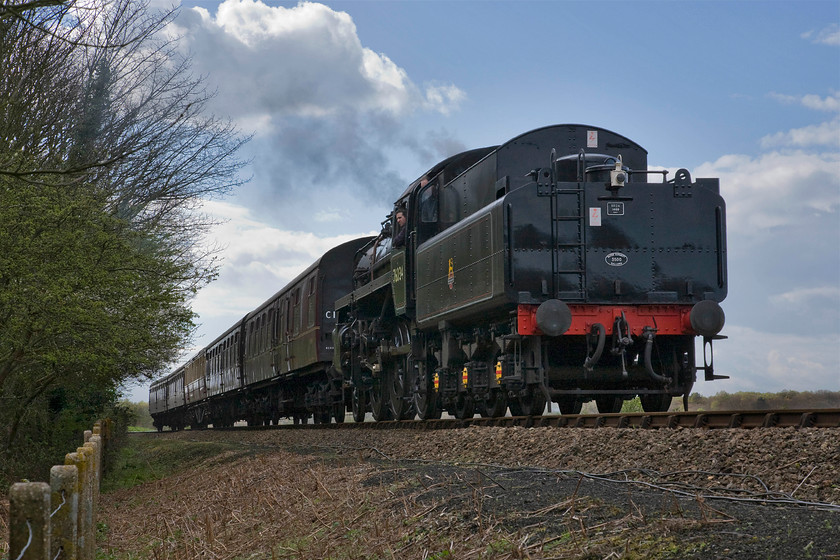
x=273, y=363
x=167, y=402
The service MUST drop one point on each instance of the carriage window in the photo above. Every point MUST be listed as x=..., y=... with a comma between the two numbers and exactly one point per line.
x=296, y=304
x=271, y=335
x=312, y=300
x=255, y=340
x=266, y=332
x=236, y=349
x=304, y=308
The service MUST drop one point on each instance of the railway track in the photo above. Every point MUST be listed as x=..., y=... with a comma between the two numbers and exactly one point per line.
x=745, y=419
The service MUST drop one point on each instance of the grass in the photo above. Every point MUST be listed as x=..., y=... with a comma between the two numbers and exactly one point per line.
x=140, y=429
x=147, y=459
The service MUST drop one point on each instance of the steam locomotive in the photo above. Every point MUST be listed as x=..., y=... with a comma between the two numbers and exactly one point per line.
x=553, y=269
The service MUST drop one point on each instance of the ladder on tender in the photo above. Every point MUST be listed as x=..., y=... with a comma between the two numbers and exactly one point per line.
x=568, y=233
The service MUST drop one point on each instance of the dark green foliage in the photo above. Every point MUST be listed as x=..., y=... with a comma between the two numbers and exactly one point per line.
x=83, y=301
x=82, y=304
x=104, y=154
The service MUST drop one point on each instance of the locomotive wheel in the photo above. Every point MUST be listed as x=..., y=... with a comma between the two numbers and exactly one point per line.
x=609, y=404
x=464, y=407
x=398, y=380
x=360, y=403
x=494, y=406
x=379, y=402
x=529, y=402
x=655, y=403
x=569, y=406
x=399, y=391
x=426, y=402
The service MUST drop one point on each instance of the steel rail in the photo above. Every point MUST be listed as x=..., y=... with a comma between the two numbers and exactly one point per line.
x=703, y=419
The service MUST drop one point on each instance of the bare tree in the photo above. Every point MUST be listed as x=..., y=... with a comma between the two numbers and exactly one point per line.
x=106, y=151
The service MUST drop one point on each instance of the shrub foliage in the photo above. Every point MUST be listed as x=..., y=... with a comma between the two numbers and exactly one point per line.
x=106, y=151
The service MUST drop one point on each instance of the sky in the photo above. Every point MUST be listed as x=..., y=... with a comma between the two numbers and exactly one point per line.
x=349, y=101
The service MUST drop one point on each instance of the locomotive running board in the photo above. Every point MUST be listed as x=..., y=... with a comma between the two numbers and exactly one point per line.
x=361, y=293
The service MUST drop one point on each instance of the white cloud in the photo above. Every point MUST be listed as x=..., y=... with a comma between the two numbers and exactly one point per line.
x=799, y=296
x=804, y=308
x=304, y=61
x=258, y=260
x=444, y=98
x=775, y=189
x=330, y=215
x=328, y=112
x=766, y=362
x=829, y=35
x=823, y=134
x=783, y=225
x=829, y=103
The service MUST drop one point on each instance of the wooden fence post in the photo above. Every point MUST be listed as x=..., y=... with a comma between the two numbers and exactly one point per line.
x=96, y=442
x=82, y=462
x=94, y=445
x=64, y=483
x=29, y=523
x=97, y=431
x=87, y=551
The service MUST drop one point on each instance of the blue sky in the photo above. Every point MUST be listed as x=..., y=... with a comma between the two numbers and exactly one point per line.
x=349, y=101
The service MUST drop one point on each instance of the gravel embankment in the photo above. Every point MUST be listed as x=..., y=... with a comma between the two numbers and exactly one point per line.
x=489, y=493
x=804, y=464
